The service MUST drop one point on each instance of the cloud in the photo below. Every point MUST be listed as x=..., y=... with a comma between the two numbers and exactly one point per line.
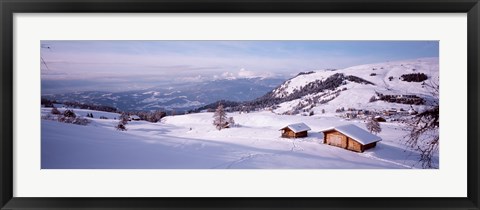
x=247, y=74
x=198, y=78
x=251, y=74
x=228, y=75
x=244, y=74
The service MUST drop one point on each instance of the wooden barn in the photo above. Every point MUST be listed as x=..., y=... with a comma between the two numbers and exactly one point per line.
x=297, y=130
x=350, y=137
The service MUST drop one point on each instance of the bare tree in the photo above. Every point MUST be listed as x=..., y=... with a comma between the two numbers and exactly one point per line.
x=423, y=131
x=373, y=126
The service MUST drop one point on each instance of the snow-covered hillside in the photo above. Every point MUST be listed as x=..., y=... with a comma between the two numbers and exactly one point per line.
x=320, y=99
x=192, y=142
x=386, y=79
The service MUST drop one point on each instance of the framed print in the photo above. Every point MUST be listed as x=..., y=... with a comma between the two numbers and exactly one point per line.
x=251, y=105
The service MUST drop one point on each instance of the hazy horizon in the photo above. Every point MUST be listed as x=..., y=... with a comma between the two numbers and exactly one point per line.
x=114, y=66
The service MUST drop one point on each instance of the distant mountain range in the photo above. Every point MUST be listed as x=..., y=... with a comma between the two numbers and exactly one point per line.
x=179, y=98
x=397, y=84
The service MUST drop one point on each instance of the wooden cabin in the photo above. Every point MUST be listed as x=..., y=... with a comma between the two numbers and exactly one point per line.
x=350, y=137
x=298, y=130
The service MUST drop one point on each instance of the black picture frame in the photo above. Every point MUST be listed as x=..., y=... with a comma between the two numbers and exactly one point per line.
x=9, y=7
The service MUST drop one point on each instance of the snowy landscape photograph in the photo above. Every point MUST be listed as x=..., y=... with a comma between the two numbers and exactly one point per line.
x=239, y=104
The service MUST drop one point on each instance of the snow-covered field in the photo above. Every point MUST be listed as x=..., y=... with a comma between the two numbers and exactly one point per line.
x=192, y=142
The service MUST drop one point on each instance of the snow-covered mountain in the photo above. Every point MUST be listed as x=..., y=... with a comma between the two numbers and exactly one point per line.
x=399, y=85
x=378, y=74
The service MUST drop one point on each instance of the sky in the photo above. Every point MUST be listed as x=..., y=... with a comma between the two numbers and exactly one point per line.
x=120, y=65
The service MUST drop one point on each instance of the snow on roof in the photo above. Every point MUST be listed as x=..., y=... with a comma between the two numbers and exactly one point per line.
x=297, y=127
x=357, y=133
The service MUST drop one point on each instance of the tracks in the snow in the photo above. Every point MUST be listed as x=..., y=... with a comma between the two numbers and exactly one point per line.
x=250, y=156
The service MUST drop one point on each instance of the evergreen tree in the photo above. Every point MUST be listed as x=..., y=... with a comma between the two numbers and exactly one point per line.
x=120, y=126
x=55, y=111
x=373, y=126
x=69, y=113
x=220, y=118
x=231, y=122
x=123, y=120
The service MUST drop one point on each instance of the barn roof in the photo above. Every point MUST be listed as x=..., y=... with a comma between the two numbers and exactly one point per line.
x=356, y=133
x=297, y=127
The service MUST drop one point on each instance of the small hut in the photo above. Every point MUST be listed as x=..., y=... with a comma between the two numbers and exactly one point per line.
x=350, y=137
x=379, y=119
x=297, y=130
x=134, y=118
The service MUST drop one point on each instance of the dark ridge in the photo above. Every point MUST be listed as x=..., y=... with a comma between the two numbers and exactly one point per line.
x=214, y=105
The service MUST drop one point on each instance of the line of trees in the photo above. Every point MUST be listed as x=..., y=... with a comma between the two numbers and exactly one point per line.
x=153, y=117
x=50, y=103
x=409, y=99
x=414, y=77
x=67, y=116
x=149, y=116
